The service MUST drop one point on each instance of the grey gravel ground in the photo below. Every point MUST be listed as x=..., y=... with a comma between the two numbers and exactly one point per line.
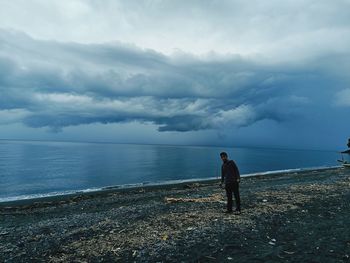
x=287, y=217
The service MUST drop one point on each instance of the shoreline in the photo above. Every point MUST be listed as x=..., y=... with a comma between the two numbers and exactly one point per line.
x=286, y=217
x=66, y=195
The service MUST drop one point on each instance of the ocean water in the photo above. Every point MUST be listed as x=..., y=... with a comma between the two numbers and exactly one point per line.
x=36, y=168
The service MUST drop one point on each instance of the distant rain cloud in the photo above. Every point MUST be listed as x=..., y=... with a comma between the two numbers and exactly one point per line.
x=225, y=70
x=55, y=85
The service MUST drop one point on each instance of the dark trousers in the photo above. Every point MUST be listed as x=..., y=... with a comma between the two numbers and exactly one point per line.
x=233, y=188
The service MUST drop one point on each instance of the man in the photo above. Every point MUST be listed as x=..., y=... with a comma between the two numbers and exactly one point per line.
x=231, y=177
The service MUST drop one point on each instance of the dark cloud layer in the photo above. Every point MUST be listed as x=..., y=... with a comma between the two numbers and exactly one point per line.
x=55, y=85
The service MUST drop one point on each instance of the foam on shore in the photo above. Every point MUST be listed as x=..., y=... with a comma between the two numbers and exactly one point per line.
x=53, y=196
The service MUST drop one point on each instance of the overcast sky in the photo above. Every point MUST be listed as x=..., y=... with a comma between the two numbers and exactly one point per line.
x=236, y=73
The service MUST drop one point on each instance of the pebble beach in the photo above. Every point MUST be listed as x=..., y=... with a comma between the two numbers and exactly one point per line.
x=286, y=217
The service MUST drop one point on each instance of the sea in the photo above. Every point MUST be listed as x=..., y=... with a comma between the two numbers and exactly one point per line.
x=34, y=169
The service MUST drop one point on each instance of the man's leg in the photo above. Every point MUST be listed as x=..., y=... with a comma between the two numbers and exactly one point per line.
x=228, y=188
x=237, y=197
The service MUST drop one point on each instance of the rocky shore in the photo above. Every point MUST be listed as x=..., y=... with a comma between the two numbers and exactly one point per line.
x=286, y=217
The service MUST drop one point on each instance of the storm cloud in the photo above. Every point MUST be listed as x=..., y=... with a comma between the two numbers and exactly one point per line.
x=203, y=65
x=52, y=84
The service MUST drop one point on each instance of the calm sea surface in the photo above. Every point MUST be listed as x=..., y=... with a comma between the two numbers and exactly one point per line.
x=32, y=168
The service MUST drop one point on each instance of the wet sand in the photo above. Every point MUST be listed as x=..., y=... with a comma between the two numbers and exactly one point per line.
x=286, y=217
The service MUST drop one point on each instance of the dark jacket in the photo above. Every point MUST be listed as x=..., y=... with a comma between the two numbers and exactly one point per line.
x=229, y=172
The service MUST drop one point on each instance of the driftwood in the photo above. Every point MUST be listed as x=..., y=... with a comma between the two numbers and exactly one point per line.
x=212, y=198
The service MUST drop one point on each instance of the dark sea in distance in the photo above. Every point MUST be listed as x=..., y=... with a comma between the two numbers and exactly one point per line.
x=39, y=168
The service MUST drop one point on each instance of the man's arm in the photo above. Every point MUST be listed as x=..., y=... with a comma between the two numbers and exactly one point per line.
x=222, y=176
x=238, y=176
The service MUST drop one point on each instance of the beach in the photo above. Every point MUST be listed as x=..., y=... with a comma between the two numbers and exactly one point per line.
x=286, y=217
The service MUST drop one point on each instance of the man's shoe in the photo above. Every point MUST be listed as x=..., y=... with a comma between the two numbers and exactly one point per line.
x=228, y=212
x=237, y=212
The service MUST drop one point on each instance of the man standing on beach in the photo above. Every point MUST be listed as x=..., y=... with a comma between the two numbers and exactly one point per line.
x=231, y=177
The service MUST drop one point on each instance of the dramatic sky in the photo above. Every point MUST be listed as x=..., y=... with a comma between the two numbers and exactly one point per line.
x=202, y=72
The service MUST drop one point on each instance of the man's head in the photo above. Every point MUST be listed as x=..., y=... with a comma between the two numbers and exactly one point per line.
x=223, y=156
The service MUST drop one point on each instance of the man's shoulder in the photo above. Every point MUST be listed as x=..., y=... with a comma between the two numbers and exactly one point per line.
x=228, y=163
x=232, y=164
